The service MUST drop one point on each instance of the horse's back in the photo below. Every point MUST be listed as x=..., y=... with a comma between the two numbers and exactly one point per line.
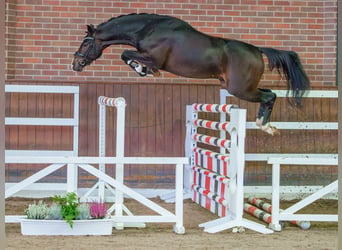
x=179, y=48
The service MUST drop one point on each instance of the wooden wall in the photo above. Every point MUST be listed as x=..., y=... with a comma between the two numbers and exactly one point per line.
x=155, y=123
x=155, y=126
x=293, y=141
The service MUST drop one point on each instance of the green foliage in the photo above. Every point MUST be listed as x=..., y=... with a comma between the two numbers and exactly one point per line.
x=37, y=211
x=69, y=205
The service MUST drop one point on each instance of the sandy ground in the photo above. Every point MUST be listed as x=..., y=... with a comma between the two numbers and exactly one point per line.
x=161, y=236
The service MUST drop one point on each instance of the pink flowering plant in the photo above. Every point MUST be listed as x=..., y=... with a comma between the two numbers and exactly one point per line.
x=98, y=210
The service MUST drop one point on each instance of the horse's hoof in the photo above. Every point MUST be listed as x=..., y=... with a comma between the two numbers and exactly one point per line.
x=267, y=127
x=270, y=129
x=153, y=71
x=156, y=73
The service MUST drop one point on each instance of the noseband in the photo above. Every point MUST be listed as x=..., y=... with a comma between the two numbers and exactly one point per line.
x=85, y=55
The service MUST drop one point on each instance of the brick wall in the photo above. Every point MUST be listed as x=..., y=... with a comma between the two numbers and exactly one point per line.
x=42, y=35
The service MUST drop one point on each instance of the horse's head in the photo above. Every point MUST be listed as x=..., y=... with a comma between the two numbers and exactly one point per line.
x=88, y=52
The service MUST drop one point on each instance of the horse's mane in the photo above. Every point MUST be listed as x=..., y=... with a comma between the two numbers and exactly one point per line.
x=155, y=18
x=132, y=14
x=124, y=15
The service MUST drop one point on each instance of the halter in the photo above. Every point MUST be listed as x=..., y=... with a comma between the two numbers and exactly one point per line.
x=85, y=55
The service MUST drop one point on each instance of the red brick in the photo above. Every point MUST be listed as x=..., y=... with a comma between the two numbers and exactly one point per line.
x=248, y=25
x=34, y=30
x=60, y=8
x=265, y=37
x=231, y=13
x=248, y=37
x=274, y=43
x=282, y=26
x=32, y=60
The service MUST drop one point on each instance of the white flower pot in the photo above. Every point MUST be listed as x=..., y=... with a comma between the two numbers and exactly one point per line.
x=60, y=227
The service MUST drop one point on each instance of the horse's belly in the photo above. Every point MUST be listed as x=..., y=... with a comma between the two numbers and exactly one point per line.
x=194, y=67
x=193, y=72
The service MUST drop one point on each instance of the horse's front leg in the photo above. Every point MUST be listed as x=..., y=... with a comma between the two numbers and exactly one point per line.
x=265, y=110
x=134, y=59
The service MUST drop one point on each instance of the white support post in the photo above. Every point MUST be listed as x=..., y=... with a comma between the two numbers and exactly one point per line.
x=76, y=122
x=189, y=145
x=178, y=227
x=72, y=178
x=238, y=116
x=120, y=105
x=120, y=147
x=275, y=225
x=102, y=147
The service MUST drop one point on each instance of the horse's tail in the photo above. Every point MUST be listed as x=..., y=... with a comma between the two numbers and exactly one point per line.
x=288, y=64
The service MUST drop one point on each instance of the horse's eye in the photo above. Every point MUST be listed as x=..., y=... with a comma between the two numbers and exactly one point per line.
x=82, y=63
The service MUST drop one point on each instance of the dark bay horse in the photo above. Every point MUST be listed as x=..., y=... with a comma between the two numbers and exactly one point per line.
x=170, y=44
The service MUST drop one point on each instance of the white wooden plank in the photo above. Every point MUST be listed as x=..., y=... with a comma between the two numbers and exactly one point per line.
x=303, y=161
x=40, y=121
x=96, y=160
x=41, y=89
x=297, y=125
x=40, y=153
x=284, y=93
x=266, y=156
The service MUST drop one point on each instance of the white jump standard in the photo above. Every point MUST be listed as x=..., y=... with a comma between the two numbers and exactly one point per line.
x=119, y=208
x=217, y=178
x=120, y=104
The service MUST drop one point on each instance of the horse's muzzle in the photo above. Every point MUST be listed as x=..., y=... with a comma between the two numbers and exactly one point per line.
x=75, y=66
x=76, y=69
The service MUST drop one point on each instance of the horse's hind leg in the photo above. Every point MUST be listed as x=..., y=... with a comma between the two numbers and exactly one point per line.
x=244, y=72
x=134, y=58
x=265, y=97
x=265, y=110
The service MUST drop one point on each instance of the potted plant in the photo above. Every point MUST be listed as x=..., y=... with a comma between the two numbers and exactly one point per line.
x=66, y=216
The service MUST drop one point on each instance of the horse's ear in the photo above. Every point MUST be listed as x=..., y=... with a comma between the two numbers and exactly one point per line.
x=91, y=29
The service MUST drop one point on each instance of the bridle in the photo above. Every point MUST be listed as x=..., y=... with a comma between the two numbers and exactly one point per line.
x=86, y=61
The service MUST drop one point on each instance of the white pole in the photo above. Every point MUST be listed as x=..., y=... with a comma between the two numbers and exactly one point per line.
x=120, y=148
x=102, y=146
x=188, y=150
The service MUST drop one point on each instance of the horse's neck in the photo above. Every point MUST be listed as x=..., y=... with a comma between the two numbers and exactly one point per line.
x=120, y=33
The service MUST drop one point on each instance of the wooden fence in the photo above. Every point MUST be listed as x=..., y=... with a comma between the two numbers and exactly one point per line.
x=155, y=126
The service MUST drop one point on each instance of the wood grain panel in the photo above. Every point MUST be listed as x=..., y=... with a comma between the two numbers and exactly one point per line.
x=155, y=126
